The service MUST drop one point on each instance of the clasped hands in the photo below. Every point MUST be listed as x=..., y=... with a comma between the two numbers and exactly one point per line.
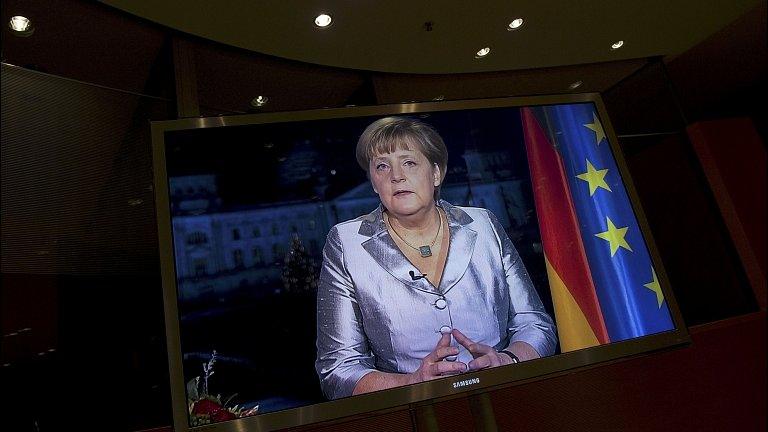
x=432, y=365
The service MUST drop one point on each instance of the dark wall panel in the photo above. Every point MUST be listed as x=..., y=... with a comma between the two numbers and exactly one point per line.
x=83, y=335
x=76, y=177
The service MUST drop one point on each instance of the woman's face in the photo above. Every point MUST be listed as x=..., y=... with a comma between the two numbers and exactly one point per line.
x=405, y=181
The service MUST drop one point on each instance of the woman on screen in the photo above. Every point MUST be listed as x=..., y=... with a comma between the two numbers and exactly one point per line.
x=419, y=288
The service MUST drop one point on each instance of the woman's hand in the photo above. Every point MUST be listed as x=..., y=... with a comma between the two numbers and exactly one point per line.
x=484, y=356
x=433, y=365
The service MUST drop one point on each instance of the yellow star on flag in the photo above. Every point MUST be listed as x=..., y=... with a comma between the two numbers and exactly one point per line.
x=597, y=128
x=595, y=178
x=615, y=237
x=656, y=288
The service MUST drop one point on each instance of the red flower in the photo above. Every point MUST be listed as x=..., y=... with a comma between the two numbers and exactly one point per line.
x=213, y=409
x=222, y=415
x=206, y=406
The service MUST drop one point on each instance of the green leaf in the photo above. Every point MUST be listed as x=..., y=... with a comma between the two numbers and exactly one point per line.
x=229, y=399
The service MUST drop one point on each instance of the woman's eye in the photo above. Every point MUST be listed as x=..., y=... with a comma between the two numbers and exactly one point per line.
x=409, y=163
x=381, y=167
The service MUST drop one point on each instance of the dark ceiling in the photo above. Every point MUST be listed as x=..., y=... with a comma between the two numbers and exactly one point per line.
x=402, y=36
x=121, y=51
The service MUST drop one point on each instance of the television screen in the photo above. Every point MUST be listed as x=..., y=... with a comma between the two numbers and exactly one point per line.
x=325, y=263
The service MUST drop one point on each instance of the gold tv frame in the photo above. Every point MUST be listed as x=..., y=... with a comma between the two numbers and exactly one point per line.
x=418, y=394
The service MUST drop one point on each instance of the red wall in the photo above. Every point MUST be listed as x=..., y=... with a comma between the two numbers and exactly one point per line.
x=734, y=160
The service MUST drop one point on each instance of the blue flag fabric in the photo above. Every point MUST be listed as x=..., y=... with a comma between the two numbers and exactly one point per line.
x=627, y=287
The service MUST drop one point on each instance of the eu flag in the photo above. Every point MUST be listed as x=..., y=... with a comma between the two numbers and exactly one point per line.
x=628, y=290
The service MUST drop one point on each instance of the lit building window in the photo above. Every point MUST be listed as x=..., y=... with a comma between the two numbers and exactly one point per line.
x=197, y=238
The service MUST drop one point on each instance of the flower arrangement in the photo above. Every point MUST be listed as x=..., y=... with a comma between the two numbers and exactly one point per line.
x=205, y=408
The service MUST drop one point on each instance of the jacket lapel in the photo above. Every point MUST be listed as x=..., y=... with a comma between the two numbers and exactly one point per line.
x=461, y=247
x=385, y=252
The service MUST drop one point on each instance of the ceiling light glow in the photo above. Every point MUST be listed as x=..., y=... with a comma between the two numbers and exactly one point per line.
x=515, y=24
x=21, y=25
x=575, y=85
x=618, y=44
x=259, y=101
x=323, y=20
x=483, y=52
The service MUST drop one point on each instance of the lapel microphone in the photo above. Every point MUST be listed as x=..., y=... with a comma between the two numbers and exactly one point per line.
x=414, y=276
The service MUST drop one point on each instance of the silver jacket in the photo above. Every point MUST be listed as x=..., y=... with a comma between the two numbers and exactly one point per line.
x=371, y=314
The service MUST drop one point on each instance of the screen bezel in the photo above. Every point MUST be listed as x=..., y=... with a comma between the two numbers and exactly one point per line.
x=399, y=396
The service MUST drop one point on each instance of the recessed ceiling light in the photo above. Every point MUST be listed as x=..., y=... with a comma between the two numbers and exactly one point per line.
x=323, y=20
x=575, y=85
x=438, y=98
x=618, y=44
x=259, y=101
x=515, y=24
x=21, y=25
x=483, y=52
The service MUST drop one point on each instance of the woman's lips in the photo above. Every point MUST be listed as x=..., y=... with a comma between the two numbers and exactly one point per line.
x=403, y=192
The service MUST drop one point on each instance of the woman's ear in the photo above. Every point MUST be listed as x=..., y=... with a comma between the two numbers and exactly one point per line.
x=437, y=175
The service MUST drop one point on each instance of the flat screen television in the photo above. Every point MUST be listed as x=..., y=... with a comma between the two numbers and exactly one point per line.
x=293, y=294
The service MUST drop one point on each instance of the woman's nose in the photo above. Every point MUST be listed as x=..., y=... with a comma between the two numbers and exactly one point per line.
x=396, y=174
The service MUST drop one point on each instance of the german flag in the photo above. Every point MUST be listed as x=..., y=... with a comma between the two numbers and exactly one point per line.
x=577, y=309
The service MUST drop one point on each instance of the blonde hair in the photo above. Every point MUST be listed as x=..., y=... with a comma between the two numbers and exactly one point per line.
x=389, y=134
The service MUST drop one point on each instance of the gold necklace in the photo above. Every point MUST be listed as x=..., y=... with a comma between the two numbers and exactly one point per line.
x=424, y=250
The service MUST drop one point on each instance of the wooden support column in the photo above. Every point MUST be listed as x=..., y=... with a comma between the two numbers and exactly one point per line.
x=482, y=413
x=187, y=104
x=423, y=418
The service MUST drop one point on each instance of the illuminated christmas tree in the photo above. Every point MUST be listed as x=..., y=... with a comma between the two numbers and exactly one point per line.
x=299, y=271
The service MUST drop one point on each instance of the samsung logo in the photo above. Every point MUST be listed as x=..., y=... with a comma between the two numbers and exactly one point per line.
x=465, y=383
